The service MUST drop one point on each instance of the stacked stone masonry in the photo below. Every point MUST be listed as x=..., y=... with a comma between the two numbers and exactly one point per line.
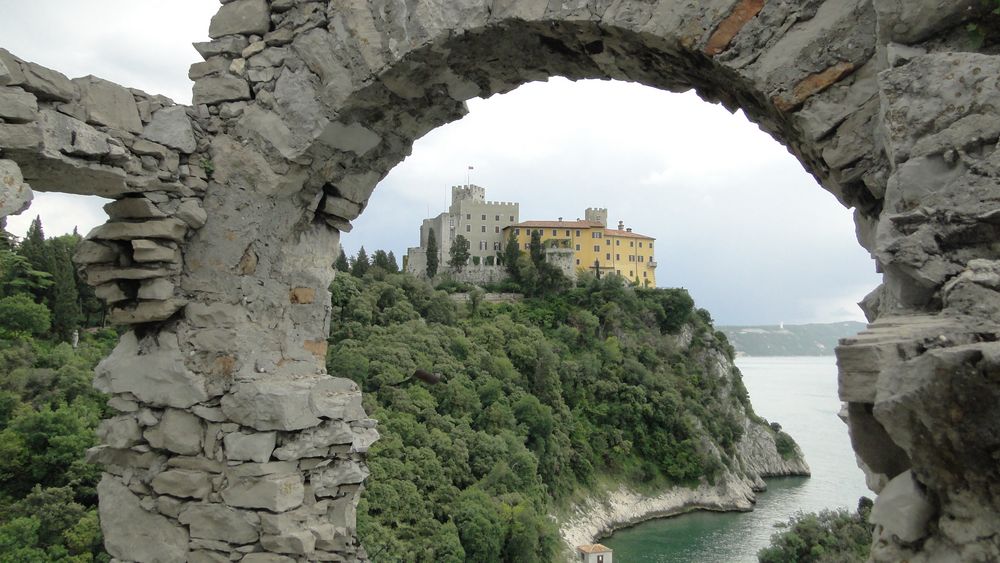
x=232, y=443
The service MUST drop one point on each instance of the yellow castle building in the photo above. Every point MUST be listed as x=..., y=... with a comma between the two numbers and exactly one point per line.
x=595, y=247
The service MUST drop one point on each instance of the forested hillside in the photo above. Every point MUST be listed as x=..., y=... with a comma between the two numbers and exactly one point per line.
x=48, y=410
x=537, y=401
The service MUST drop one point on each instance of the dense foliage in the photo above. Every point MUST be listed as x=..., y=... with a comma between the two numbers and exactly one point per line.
x=539, y=400
x=826, y=537
x=48, y=409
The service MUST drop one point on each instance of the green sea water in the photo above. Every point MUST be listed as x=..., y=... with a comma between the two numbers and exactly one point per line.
x=801, y=394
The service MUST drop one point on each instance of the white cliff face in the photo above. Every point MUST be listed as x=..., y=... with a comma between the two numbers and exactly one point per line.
x=601, y=514
x=759, y=458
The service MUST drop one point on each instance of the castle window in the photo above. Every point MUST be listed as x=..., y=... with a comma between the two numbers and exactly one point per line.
x=496, y=218
x=651, y=245
x=468, y=228
x=484, y=216
x=607, y=241
x=631, y=273
x=578, y=248
x=631, y=243
x=631, y=258
x=618, y=256
x=577, y=261
x=578, y=232
x=511, y=218
x=496, y=229
x=483, y=228
x=554, y=232
x=618, y=243
x=517, y=231
x=526, y=245
x=608, y=256
x=641, y=258
x=640, y=245
x=567, y=232
x=468, y=216
x=644, y=275
x=619, y=272
x=597, y=248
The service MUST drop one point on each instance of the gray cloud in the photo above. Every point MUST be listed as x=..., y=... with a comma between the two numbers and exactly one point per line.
x=737, y=220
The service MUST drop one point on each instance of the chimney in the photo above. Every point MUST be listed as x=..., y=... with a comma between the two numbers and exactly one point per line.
x=621, y=225
x=629, y=229
x=560, y=219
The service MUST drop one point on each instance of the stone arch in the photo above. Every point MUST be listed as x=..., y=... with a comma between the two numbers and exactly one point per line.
x=232, y=437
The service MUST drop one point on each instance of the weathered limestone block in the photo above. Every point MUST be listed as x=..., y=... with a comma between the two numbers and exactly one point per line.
x=178, y=431
x=340, y=207
x=976, y=291
x=228, y=45
x=272, y=404
x=48, y=84
x=298, y=543
x=20, y=136
x=182, y=483
x=215, y=89
x=316, y=442
x=276, y=493
x=351, y=137
x=202, y=556
x=144, y=250
x=157, y=289
x=90, y=252
x=146, y=311
x=250, y=447
x=266, y=558
x=111, y=458
x=910, y=22
x=134, y=534
x=15, y=194
x=119, y=432
x=246, y=17
x=218, y=522
x=326, y=481
x=902, y=509
x=99, y=275
x=17, y=106
x=72, y=137
x=169, y=228
x=151, y=369
x=337, y=398
x=172, y=127
x=191, y=212
x=110, y=292
x=109, y=104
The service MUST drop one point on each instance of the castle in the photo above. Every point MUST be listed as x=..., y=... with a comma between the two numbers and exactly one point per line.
x=481, y=222
x=580, y=245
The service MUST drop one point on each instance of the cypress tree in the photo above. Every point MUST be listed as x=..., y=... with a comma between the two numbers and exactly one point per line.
x=459, y=253
x=64, y=299
x=432, y=254
x=393, y=264
x=34, y=249
x=361, y=264
x=342, y=265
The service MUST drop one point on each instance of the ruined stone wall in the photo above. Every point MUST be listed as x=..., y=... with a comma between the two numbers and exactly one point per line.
x=232, y=443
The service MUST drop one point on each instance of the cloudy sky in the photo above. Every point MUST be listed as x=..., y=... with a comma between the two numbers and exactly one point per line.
x=738, y=222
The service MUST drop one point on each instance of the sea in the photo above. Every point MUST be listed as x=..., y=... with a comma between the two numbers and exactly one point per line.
x=800, y=393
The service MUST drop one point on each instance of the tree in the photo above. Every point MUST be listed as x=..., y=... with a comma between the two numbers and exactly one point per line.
x=64, y=300
x=20, y=316
x=459, y=253
x=360, y=266
x=432, y=253
x=34, y=249
x=509, y=257
x=393, y=264
x=385, y=261
x=342, y=265
x=18, y=276
x=535, y=249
